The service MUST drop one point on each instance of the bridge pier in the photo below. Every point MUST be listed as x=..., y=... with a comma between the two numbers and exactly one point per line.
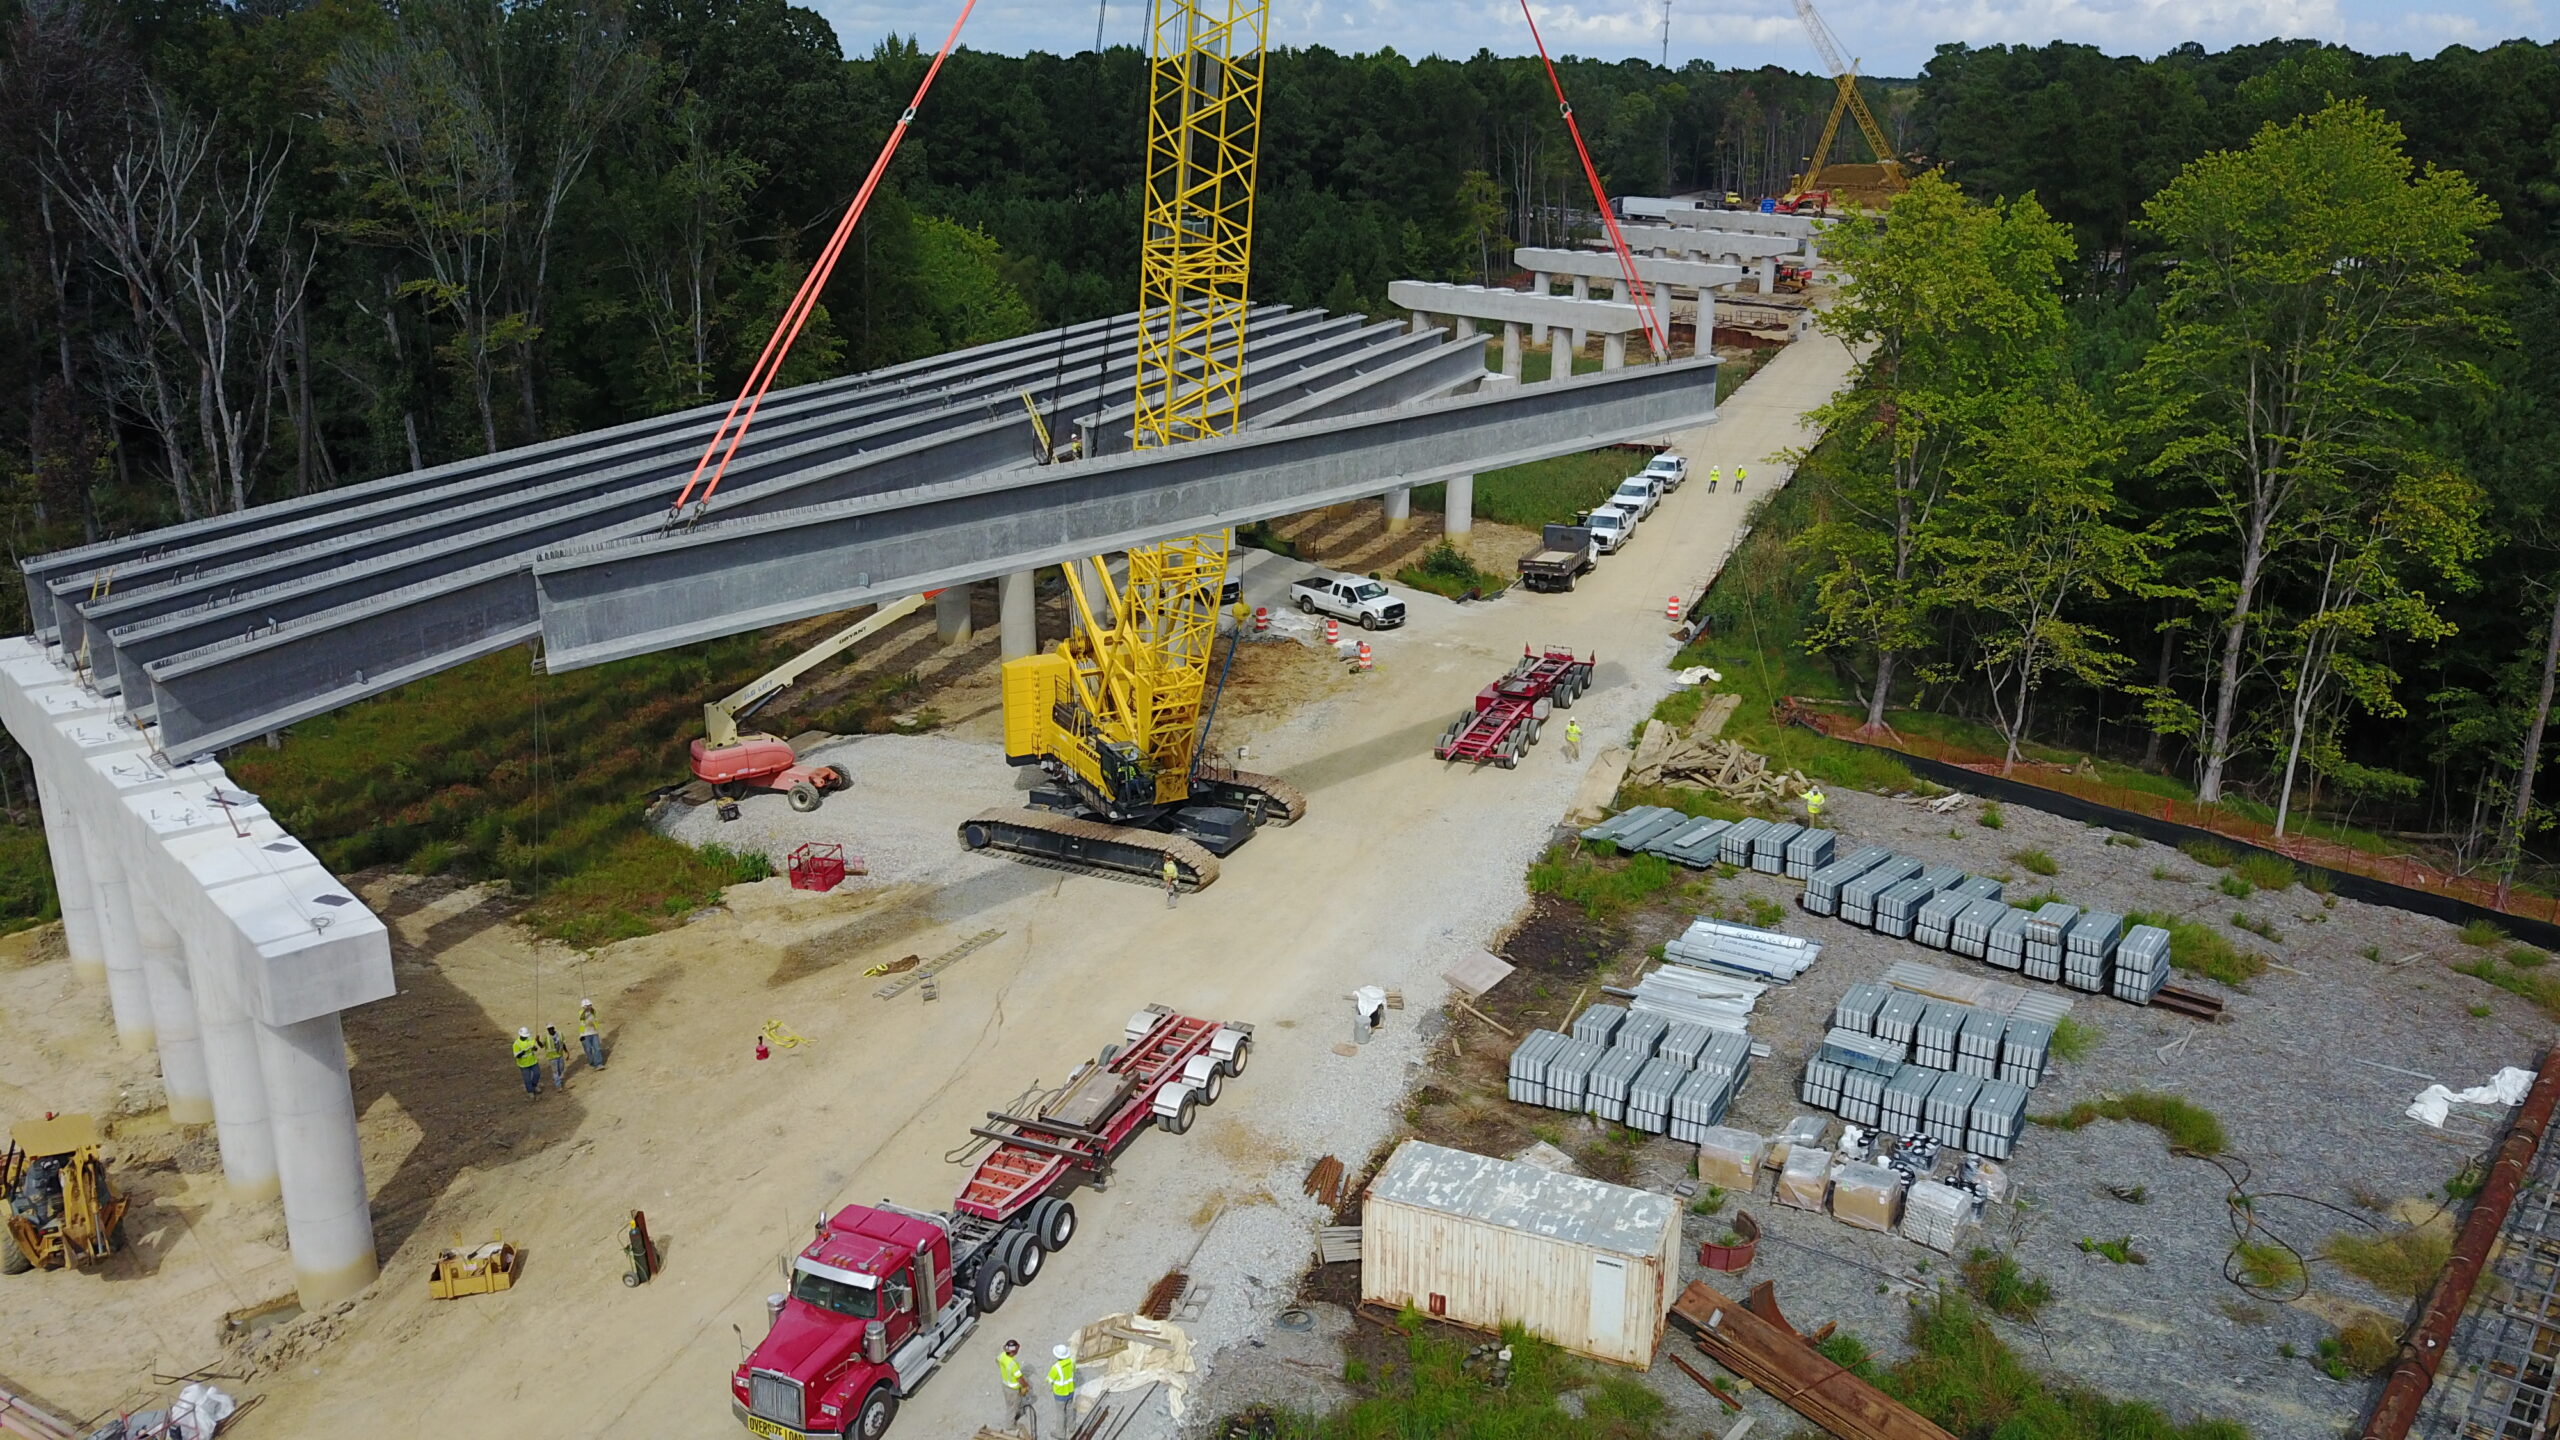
x=951, y=615
x=1018, y=610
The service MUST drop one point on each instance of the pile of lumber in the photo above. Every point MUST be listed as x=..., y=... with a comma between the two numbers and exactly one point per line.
x=1666, y=757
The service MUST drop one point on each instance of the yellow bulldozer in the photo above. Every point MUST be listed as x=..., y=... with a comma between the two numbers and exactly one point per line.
x=61, y=1208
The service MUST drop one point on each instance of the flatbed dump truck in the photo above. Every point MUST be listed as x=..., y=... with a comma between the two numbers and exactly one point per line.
x=1565, y=553
x=1503, y=722
x=882, y=1295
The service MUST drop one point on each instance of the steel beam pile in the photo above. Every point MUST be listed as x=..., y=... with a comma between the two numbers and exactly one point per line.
x=224, y=628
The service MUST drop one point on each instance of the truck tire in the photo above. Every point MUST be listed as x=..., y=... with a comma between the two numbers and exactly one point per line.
x=872, y=1420
x=1021, y=1257
x=1306, y=606
x=1212, y=1087
x=1235, y=1063
x=1368, y=622
x=1053, y=1223
x=1180, y=1120
x=993, y=1286
x=1563, y=694
x=1532, y=729
x=805, y=797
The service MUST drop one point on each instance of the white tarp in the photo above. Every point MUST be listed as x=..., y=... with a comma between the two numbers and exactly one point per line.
x=2507, y=1087
x=1110, y=1362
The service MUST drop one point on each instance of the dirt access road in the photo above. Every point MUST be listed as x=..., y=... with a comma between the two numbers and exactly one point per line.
x=1402, y=866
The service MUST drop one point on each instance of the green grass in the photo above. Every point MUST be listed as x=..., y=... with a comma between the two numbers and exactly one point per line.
x=1963, y=1377
x=2482, y=934
x=2202, y=950
x=2263, y=929
x=2267, y=872
x=2267, y=1265
x=2235, y=887
x=2402, y=1263
x=1989, y=817
x=2036, y=862
x=26, y=877
x=2531, y=984
x=1445, y=570
x=1599, y=880
x=2118, y=1251
x=2002, y=1286
x=1431, y=1394
x=445, y=775
x=2074, y=1038
x=1260, y=536
x=1681, y=707
x=2526, y=957
x=2209, y=852
x=1543, y=492
x=2361, y=1349
x=2187, y=1126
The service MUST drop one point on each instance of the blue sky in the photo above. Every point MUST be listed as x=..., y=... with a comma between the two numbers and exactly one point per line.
x=1891, y=37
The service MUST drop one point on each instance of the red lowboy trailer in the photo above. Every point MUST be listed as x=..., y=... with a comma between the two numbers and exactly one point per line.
x=1504, y=721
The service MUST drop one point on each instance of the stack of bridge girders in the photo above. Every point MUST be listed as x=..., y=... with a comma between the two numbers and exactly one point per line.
x=1684, y=1042
x=1529, y=1065
x=1696, y=844
x=1738, y=839
x=1978, y=1044
x=1970, y=934
x=1933, y=1039
x=1858, y=897
x=1762, y=954
x=1700, y=1104
x=2142, y=964
x=1822, y=1081
x=1642, y=1030
x=1684, y=995
x=1809, y=851
x=1935, y=925
x=1857, y=1005
x=1906, y=1096
x=2023, y=1049
x=1950, y=1107
x=1843, y=1046
x=1862, y=1096
x=1999, y=1113
x=1649, y=1094
x=1569, y=1074
x=1898, y=1016
x=1647, y=820
x=2006, y=945
x=2045, y=931
x=1822, y=887
x=1606, y=1094
x=2088, y=950
x=1599, y=1024
x=1769, y=847
x=1898, y=908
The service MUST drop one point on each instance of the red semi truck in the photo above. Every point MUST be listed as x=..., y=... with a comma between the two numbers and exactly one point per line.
x=882, y=1295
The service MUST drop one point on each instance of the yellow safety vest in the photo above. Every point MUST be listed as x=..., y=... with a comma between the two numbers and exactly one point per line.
x=1171, y=872
x=1010, y=1369
x=1813, y=803
x=586, y=1027
x=528, y=1054
x=1573, y=731
x=1062, y=1378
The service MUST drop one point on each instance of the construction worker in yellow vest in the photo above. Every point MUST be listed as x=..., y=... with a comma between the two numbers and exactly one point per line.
x=1714, y=474
x=1017, y=1391
x=528, y=1059
x=1172, y=881
x=590, y=1039
x=1813, y=803
x=1062, y=1384
x=1738, y=476
x=1573, y=739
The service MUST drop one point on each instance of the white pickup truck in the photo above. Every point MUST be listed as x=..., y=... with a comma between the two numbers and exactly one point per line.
x=1667, y=469
x=1365, y=603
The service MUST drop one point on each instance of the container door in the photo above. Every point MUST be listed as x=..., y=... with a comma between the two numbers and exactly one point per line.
x=1608, y=1304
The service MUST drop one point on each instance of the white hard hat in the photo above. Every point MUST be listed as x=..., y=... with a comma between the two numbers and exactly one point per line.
x=1062, y=1352
x=524, y=1032
x=586, y=1004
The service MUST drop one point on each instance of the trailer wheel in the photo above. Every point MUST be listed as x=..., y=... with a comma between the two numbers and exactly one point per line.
x=872, y=1420
x=1109, y=1053
x=993, y=1286
x=1053, y=1223
x=1564, y=694
x=805, y=797
x=1180, y=1120
x=1212, y=1087
x=1022, y=1257
x=1532, y=730
x=1234, y=1064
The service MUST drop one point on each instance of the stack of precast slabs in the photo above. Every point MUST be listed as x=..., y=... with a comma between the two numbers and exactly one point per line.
x=1738, y=840
x=1935, y=925
x=2089, y=949
x=1808, y=851
x=2142, y=964
x=1769, y=847
x=1897, y=908
x=2044, y=933
x=1858, y=896
x=1999, y=1112
x=1822, y=887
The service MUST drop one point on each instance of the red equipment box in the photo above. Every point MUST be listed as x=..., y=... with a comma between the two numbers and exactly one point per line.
x=820, y=865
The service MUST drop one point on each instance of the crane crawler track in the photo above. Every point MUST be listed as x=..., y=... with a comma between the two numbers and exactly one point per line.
x=1088, y=847
x=1241, y=787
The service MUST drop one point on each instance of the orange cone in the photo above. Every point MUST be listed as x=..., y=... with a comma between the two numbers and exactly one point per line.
x=1671, y=610
x=1332, y=631
x=1261, y=619
x=1364, y=654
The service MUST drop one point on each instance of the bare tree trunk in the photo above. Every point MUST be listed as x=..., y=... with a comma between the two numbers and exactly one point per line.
x=2529, y=759
x=2168, y=664
x=2217, y=753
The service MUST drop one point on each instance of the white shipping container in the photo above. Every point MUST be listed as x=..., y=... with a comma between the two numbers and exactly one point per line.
x=1591, y=1266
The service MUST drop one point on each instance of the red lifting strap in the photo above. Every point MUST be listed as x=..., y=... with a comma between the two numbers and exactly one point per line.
x=1654, y=332
x=742, y=411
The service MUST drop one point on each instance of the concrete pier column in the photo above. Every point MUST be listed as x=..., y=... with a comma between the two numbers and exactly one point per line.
x=1768, y=274
x=1540, y=282
x=1017, y=603
x=1462, y=327
x=71, y=886
x=1706, y=322
x=1562, y=346
x=1511, y=348
x=173, y=1016
x=1398, y=504
x=1662, y=314
x=319, y=1161
x=951, y=615
x=1458, y=516
x=1420, y=323
x=1613, y=351
x=128, y=994
x=1581, y=287
x=232, y=1069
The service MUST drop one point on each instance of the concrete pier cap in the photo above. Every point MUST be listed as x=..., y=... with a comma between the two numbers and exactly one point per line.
x=228, y=948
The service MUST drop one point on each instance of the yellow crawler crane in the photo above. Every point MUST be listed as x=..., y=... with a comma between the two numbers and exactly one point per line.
x=1114, y=713
x=1870, y=186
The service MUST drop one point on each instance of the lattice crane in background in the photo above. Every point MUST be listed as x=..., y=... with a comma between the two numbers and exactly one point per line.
x=1114, y=714
x=1844, y=74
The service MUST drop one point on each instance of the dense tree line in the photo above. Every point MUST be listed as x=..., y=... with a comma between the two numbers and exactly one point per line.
x=2212, y=411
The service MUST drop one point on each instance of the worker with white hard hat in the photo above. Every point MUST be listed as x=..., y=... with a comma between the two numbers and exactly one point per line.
x=528, y=1060
x=590, y=1039
x=1062, y=1384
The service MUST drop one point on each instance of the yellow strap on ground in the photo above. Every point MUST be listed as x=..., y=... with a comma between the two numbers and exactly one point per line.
x=779, y=1035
